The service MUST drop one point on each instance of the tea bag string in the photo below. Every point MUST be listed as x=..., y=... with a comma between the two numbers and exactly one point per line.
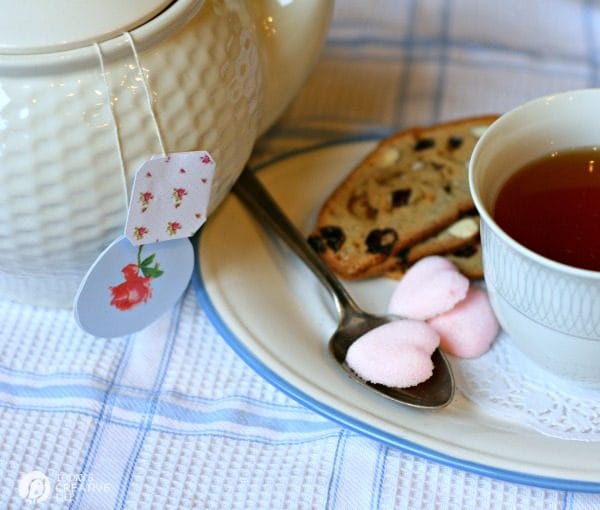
x=147, y=91
x=109, y=103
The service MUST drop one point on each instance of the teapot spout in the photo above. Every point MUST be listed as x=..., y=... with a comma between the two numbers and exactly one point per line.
x=292, y=33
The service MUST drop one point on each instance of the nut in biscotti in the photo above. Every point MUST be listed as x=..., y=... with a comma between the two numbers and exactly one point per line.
x=410, y=187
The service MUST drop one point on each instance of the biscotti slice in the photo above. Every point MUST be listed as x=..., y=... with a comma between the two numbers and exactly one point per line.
x=462, y=233
x=410, y=187
x=459, y=234
x=467, y=259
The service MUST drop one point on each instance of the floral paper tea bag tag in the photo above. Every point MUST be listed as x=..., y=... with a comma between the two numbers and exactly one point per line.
x=169, y=198
x=144, y=272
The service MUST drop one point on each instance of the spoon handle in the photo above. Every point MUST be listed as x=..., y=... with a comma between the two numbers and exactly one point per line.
x=261, y=204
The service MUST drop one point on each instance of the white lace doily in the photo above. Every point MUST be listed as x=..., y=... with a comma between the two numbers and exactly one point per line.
x=506, y=384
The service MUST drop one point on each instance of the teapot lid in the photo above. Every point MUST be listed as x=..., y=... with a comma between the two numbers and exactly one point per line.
x=31, y=26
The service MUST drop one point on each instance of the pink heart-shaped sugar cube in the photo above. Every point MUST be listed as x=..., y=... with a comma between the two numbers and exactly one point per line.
x=430, y=287
x=468, y=330
x=397, y=354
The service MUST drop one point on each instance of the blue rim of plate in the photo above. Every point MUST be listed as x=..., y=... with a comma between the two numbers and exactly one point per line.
x=348, y=421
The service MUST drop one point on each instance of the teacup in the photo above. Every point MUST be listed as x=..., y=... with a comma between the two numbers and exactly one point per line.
x=550, y=310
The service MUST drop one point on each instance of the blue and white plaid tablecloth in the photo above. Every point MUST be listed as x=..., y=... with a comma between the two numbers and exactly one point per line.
x=171, y=417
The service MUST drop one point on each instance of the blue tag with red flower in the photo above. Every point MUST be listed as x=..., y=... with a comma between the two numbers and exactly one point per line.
x=128, y=286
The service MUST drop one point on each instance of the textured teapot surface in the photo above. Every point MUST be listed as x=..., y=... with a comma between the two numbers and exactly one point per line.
x=75, y=125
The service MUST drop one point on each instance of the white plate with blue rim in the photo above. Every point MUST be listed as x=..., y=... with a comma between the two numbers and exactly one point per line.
x=273, y=312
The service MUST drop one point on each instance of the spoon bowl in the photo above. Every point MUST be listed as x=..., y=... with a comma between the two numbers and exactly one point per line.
x=435, y=392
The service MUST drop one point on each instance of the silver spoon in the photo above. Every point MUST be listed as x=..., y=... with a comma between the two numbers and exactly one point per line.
x=436, y=392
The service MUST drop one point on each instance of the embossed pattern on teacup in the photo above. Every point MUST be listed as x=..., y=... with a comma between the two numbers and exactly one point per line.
x=563, y=302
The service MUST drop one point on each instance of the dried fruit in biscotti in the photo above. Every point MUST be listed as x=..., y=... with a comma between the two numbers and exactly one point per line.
x=409, y=188
x=468, y=260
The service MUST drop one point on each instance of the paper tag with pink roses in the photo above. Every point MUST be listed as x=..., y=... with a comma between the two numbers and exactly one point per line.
x=146, y=270
x=169, y=197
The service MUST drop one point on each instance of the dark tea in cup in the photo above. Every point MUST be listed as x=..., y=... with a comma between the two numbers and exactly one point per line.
x=552, y=206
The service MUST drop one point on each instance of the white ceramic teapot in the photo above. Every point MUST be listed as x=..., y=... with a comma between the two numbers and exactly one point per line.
x=89, y=90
